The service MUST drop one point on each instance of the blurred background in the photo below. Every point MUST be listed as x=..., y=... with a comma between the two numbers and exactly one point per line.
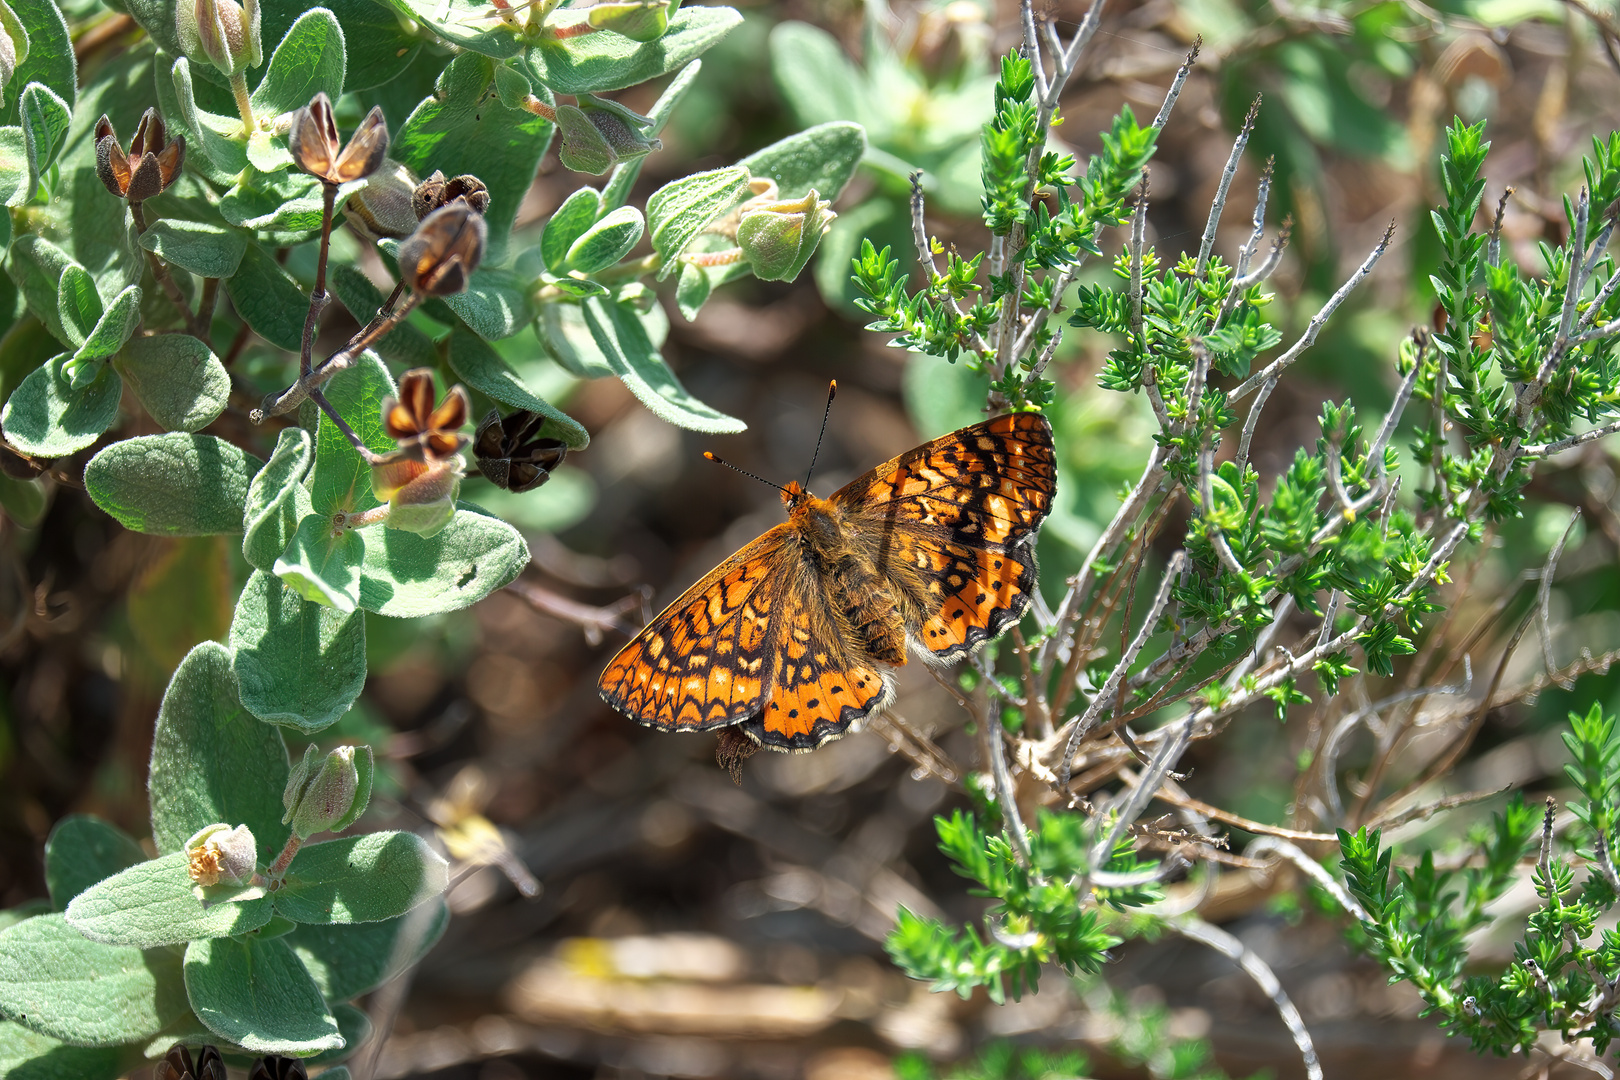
x=651, y=919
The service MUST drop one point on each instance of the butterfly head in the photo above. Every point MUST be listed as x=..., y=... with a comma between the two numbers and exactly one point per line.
x=793, y=495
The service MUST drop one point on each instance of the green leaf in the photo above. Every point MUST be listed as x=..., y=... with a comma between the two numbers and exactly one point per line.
x=23, y=501
x=824, y=157
x=592, y=62
x=152, y=904
x=407, y=575
x=77, y=303
x=321, y=566
x=284, y=208
x=630, y=353
x=496, y=304
x=297, y=663
x=692, y=290
x=28, y=909
x=50, y=57
x=570, y=221
x=681, y=209
x=606, y=242
x=67, y=987
x=309, y=60
x=624, y=175
x=461, y=129
x=405, y=344
x=14, y=175
x=459, y=22
x=37, y=265
x=178, y=378
x=277, y=500
x=484, y=369
x=342, y=479
x=256, y=994
x=83, y=850
x=173, y=485
x=211, y=760
x=347, y=960
x=270, y=301
x=355, y=1027
x=816, y=77
x=216, y=136
x=48, y=417
x=361, y=879
x=183, y=596
x=28, y=1055
x=206, y=250
x=45, y=118
x=113, y=328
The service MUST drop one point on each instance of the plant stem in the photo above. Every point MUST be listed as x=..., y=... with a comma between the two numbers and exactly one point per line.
x=171, y=288
x=244, y=105
x=317, y=296
x=279, y=867
x=342, y=425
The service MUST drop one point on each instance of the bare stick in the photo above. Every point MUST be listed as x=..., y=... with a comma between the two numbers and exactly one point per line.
x=1549, y=449
x=594, y=621
x=1010, y=816
x=1308, y=338
x=1393, y=417
x=1266, y=845
x=1176, y=84
x=1032, y=45
x=1544, y=592
x=1138, y=243
x=1208, y=241
x=1195, y=929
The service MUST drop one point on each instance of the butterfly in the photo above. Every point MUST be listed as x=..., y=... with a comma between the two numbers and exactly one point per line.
x=791, y=641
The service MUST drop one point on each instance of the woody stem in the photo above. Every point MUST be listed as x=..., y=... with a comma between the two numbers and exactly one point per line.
x=317, y=296
x=343, y=426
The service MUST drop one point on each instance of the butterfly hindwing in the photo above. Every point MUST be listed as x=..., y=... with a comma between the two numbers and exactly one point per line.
x=705, y=661
x=982, y=593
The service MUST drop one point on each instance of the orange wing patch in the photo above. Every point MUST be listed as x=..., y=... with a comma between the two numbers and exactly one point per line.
x=702, y=664
x=982, y=593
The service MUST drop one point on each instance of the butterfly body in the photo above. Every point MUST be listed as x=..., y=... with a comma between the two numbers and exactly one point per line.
x=791, y=639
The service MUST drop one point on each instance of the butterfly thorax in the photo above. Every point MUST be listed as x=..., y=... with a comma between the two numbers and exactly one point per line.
x=858, y=593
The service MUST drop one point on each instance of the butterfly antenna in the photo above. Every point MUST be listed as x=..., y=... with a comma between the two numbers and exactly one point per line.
x=722, y=461
x=832, y=392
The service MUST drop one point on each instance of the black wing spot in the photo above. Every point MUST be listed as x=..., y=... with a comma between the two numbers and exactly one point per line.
x=959, y=614
x=980, y=598
x=838, y=689
x=997, y=564
x=792, y=713
x=812, y=703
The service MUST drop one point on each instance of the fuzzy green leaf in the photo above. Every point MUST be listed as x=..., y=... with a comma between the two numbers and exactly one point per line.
x=361, y=879
x=214, y=135
x=204, y=249
x=152, y=904
x=14, y=175
x=211, y=760
x=28, y=1055
x=608, y=61
x=405, y=344
x=177, y=377
x=36, y=266
x=606, y=242
x=342, y=479
x=45, y=118
x=50, y=57
x=270, y=301
x=173, y=485
x=83, y=850
x=630, y=353
x=323, y=567
x=496, y=304
x=347, y=960
x=277, y=500
x=463, y=129
x=408, y=575
x=310, y=60
x=486, y=371
x=65, y=986
x=48, y=417
x=256, y=994
x=567, y=224
x=297, y=663
x=681, y=209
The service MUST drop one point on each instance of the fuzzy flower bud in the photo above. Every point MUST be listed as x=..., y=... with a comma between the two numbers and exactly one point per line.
x=598, y=134
x=222, y=32
x=327, y=794
x=638, y=20
x=220, y=854
x=778, y=238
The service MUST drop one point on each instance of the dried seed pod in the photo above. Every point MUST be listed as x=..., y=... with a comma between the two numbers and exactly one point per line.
x=444, y=250
x=152, y=164
x=436, y=191
x=413, y=420
x=313, y=143
x=177, y=1064
x=382, y=206
x=511, y=456
x=276, y=1067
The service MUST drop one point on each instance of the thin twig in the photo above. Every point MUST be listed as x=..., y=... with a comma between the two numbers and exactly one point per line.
x=592, y=620
x=1214, y=221
x=1544, y=592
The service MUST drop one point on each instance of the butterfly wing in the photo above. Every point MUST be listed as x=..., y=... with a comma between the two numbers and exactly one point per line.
x=705, y=662
x=818, y=686
x=952, y=524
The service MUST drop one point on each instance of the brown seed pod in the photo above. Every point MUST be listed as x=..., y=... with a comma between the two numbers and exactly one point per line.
x=511, y=456
x=276, y=1067
x=177, y=1064
x=313, y=143
x=414, y=422
x=444, y=250
x=436, y=191
x=152, y=164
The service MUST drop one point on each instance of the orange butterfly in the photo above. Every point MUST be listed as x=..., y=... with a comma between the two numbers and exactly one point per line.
x=789, y=640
